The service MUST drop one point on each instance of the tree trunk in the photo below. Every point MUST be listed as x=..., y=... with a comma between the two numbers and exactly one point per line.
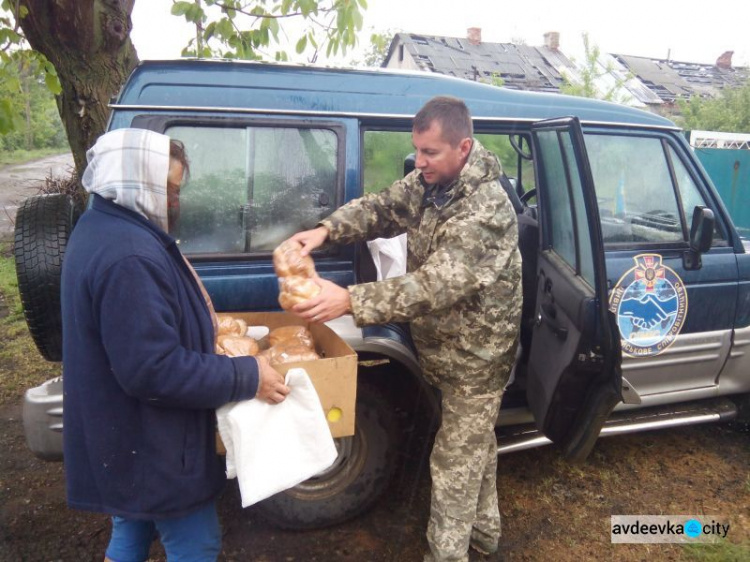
x=88, y=42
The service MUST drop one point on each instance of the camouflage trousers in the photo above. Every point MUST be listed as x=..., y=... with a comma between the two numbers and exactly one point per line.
x=463, y=466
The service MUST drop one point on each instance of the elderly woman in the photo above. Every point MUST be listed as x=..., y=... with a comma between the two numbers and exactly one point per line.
x=141, y=381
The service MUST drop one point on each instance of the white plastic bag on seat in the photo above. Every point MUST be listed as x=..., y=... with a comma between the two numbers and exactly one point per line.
x=389, y=256
x=271, y=448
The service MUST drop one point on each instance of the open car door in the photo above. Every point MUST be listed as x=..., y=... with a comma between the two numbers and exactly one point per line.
x=574, y=376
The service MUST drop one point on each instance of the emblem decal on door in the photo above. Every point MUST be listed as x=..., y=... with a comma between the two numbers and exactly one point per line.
x=650, y=302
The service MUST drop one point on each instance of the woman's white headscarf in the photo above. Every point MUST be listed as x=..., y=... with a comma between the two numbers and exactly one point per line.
x=129, y=167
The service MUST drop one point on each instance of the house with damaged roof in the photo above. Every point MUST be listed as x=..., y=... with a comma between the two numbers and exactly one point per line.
x=646, y=82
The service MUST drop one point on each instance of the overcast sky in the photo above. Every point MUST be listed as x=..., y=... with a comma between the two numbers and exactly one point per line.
x=687, y=31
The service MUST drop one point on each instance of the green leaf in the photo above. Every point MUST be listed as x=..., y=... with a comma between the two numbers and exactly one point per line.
x=181, y=8
x=53, y=83
x=357, y=18
x=195, y=14
x=9, y=119
x=209, y=31
x=301, y=45
x=307, y=7
x=224, y=28
x=285, y=5
x=274, y=27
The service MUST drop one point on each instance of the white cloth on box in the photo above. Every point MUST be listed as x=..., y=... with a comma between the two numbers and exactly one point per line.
x=389, y=256
x=271, y=448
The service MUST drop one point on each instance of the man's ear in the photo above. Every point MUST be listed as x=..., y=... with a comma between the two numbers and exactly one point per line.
x=465, y=146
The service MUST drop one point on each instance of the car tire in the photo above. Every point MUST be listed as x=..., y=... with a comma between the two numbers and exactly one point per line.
x=43, y=227
x=356, y=480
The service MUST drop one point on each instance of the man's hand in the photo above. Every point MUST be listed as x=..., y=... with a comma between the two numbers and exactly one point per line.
x=311, y=239
x=332, y=302
x=271, y=387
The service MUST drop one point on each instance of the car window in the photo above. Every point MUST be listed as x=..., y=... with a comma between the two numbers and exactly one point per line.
x=634, y=188
x=561, y=237
x=519, y=169
x=690, y=195
x=252, y=187
x=569, y=234
x=384, y=155
x=385, y=151
x=586, y=260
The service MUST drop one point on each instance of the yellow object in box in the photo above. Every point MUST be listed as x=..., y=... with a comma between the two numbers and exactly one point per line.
x=334, y=375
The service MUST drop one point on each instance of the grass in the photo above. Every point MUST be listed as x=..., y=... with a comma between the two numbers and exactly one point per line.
x=9, y=288
x=21, y=156
x=723, y=551
x=21, y=365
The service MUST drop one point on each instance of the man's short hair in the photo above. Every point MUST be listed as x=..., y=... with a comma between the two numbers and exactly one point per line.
x=451, y=113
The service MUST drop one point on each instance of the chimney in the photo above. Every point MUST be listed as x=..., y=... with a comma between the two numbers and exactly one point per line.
x=552, y=40
x=474, y=35
x=725, y=60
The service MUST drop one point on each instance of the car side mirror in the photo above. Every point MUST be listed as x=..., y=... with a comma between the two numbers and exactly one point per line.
x=701, y=236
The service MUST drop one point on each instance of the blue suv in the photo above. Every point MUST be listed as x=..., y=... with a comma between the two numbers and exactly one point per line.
x=636, y=284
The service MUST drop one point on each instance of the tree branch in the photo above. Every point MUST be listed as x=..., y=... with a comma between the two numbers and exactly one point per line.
x=224, y=7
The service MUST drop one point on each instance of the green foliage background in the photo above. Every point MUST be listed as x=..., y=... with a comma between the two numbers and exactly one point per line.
x=728, y=113
x=31, y=106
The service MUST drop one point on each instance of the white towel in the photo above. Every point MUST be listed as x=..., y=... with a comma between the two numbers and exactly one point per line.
x=271, y=448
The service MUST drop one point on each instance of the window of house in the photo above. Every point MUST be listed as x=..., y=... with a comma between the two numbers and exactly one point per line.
x=252, y=187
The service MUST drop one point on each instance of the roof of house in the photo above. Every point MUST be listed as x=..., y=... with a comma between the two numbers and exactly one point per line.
x=671, y=79
x=521, y=67
x=648, y=81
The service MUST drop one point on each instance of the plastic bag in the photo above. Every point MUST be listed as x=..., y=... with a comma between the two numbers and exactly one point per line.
x=271, y=448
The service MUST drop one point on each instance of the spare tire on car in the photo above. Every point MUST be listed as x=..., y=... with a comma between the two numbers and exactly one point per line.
x=43, y=227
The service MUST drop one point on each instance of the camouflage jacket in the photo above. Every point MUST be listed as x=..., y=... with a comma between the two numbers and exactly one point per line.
x=462, y=289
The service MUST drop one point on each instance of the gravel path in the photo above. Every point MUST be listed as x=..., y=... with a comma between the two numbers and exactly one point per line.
x=19, y=181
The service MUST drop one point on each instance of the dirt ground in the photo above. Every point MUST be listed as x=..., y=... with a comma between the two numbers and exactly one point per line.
x=551, y=510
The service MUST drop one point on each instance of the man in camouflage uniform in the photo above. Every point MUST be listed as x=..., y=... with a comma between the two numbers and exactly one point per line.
x=462, y=296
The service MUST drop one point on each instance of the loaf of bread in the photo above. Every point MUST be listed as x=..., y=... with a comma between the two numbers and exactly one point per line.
x=290, y=335
x=296, y=273
x=296, y=289
x=290, y=353
x=229, y=325
x=288, y=261
x=236, y=346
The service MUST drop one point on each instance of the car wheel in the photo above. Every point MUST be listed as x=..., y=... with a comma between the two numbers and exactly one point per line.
x=358, y=477
x=43, y=226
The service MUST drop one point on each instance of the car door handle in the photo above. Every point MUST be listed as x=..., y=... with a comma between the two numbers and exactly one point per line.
x=548, y=315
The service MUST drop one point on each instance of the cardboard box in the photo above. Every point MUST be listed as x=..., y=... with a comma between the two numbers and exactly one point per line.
x=334, y=375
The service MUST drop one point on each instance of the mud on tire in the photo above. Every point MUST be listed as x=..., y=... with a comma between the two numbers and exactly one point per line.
x=43, y=226
x=359, y=476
